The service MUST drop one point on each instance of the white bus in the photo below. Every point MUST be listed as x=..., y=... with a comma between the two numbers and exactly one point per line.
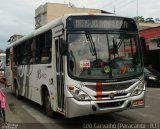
x=79, y=64
x=2, y=65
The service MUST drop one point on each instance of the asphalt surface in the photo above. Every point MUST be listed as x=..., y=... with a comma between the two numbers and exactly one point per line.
x=25, y=114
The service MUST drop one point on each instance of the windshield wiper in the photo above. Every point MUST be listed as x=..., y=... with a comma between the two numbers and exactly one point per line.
x=116, y=45
x=92, y=44
x=122, y=39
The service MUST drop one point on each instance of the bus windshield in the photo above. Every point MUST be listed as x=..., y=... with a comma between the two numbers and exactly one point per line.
x=103, y=55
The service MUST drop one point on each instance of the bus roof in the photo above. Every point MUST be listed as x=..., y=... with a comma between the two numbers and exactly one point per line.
x=59, y=21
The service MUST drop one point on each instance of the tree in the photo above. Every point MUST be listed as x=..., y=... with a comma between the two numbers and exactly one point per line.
x=149, y=20
x=139, y=19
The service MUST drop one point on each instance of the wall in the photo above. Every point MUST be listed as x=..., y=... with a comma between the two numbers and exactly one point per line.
x=149, y=34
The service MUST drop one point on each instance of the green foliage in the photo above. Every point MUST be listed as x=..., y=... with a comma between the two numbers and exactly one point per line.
x=146, y=20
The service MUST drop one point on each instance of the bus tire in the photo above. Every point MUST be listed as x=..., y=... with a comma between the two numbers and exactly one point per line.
x=47, y=105
x=16, y=91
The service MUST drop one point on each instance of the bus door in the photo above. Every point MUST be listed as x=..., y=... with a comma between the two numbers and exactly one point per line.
x=9, y=74
x=59, y=68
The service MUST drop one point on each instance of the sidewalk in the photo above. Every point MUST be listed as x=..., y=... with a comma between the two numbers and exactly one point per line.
x=11, y=116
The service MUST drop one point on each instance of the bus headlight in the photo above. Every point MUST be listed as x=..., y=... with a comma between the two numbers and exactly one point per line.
x=139, y=89
x=78, y=94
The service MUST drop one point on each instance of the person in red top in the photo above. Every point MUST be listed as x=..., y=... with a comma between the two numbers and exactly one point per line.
x=3, y=105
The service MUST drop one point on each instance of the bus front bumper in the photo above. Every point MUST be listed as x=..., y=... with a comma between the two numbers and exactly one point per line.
x=76, y=108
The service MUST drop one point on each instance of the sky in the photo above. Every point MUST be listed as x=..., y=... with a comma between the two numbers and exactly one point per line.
x=17, y=16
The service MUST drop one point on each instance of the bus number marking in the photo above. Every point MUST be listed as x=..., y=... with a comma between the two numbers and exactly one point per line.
x=120, y=92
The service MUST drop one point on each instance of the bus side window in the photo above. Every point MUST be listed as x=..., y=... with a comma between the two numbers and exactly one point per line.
x=48, y=44
x=44, y=57
x=27, y=52
x=45, y=47
x=7, y=57
x=42, y=52
x=32, y=51
x=14, y=55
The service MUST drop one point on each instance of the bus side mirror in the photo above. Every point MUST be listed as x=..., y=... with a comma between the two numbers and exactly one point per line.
x=63, y=48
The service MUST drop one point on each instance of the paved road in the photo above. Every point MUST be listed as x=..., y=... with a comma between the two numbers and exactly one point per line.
x=32, y=115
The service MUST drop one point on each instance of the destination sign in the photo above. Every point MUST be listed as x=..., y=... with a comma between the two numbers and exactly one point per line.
x=97, y=22
x=108, y=24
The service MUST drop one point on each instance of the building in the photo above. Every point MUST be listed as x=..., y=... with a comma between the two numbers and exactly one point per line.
x=50, y=11
x=143, y=26
x=152, y=39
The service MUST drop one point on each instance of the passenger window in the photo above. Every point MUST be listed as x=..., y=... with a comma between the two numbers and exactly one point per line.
x=33, y=51
x=7, y=57
x=45, y=48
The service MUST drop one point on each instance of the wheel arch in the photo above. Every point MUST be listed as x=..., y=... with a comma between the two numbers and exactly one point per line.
x=44, y=88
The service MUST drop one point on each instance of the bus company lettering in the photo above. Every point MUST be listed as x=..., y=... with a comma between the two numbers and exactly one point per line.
x=40, y=74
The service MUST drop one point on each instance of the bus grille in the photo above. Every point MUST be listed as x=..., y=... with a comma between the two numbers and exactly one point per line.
x=107, y=96
x=110, y=104
x=116, y=87
x=112, y=87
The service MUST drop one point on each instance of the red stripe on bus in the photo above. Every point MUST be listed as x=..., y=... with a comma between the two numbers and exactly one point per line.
x=98, y=90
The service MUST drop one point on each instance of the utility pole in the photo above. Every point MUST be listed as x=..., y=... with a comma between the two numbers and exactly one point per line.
x=114, y=10
x=137, y=10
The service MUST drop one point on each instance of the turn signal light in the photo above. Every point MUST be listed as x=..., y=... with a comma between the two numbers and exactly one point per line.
x=71, y=88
